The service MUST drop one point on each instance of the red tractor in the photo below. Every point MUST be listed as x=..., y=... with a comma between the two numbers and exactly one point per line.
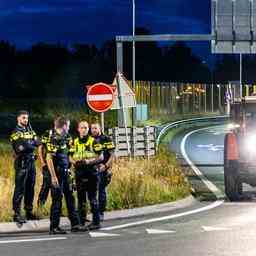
x=240, y=148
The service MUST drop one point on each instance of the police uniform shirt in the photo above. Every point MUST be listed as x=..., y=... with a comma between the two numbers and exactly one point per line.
x=24, y=140
x=105, y=144
x=56, y=145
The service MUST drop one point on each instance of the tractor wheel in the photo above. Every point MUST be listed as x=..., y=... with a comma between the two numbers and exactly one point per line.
x=233, y=184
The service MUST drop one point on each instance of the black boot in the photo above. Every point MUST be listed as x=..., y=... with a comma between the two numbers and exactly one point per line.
x=78, y=228
x=31, y=216
x=57, y=231
x=84, y=220
x=18, y=218
x=93, y=226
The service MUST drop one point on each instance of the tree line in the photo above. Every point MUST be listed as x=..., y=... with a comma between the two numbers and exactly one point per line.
x=53, y=70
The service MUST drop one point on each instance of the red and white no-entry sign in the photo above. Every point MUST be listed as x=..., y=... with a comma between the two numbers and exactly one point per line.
x=100, y=97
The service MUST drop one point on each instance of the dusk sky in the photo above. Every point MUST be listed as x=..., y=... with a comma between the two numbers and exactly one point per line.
x=25, y=22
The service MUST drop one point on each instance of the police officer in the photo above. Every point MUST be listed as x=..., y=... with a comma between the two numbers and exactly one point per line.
x=105, y=144
x=85, y=159
x=58, y=143
x=24, y=142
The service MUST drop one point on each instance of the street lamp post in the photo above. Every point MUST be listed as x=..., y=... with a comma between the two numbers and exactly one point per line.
x=133, y=59
x=205, y=89
x=241, y=75
x=133, y=43
x=219, y=88
x=212, y=92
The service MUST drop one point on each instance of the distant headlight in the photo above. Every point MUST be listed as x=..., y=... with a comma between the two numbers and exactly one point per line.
x=233, y=126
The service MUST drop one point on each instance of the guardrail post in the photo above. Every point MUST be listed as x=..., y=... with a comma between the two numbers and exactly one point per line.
x=133, y=141
x=146, y=137
x=115, y=134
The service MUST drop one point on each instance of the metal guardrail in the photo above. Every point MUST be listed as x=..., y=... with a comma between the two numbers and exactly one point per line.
x=186, y=122
x=142, y=141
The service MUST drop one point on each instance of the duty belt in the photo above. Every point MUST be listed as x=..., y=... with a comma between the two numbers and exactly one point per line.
x=26, y=157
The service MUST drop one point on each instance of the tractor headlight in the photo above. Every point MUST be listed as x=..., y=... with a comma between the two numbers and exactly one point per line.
x=251, y=143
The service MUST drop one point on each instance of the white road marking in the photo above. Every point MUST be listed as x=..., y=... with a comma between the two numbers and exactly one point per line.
x=218, y=131
x=209, y=229
x=159, y=231
x=32, y=240
x=208, y=183
x=169, y=217
x=204, y=145
x=100, y=97
x=100, y=234
x=211, y=147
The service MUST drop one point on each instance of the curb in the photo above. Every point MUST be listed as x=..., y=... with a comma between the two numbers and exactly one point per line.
x=43, y=225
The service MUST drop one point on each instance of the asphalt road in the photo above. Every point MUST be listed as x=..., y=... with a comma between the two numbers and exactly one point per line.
x=209, y=227
x=204, y=148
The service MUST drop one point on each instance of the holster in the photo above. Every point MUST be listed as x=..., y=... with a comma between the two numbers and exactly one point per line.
x=107, y=177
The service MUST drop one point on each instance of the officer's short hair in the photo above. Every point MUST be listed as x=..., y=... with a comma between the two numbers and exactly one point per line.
x=22, y=112
x=96, y=123
x=60, y=121
x=82, y=121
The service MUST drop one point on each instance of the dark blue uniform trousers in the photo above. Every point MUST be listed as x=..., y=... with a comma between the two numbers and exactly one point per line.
x=102, y=192
x=45, y=188
x=87, y=182
x=25, y=173
x=57, y=195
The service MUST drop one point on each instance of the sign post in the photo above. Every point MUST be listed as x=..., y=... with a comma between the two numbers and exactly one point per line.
x=124, y=98
x=120, y=96
x=100, y=99
x=102, y=121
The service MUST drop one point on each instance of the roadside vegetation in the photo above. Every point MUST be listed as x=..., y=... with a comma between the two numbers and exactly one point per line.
x=135, y=183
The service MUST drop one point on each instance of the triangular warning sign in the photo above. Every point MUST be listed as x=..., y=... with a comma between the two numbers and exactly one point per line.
x=127, y=94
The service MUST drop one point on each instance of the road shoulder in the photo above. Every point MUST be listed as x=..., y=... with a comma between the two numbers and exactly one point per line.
x=43, y=225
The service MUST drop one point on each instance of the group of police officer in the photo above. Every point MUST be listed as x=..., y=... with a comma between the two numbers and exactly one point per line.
x=89, y=156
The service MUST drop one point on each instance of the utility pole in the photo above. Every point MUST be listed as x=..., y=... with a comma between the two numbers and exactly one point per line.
x=241, y=75
x=133, y=60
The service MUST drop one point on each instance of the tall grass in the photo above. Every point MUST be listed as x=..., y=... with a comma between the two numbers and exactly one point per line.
x=135, y=183
x=145, y=182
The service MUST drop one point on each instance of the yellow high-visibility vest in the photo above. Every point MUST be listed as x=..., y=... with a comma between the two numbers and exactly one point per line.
x=83, y=150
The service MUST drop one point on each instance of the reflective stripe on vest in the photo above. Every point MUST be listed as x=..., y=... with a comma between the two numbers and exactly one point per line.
x=83, y=150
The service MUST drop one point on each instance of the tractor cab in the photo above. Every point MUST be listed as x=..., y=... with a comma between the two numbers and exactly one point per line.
x=243, y=112
x=240, y=147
